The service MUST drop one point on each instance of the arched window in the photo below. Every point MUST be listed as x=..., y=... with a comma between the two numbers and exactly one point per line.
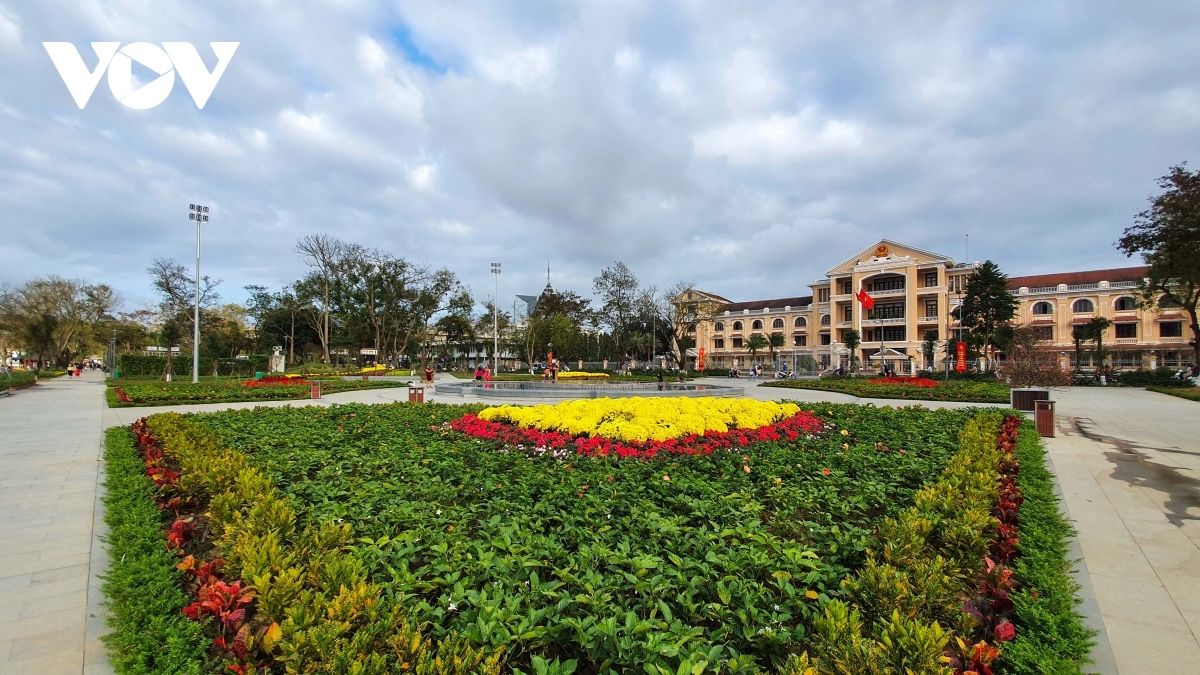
x=824, y=319
x=801, y=322
x=720, y=325
x=1125, y=304
x=1083, y=305
x=1043, y=308
x=777, y=323
x=737, y=325
x=757, y=325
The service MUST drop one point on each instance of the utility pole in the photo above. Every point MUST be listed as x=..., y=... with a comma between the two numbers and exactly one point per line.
x=496, y=319
x=199, y=214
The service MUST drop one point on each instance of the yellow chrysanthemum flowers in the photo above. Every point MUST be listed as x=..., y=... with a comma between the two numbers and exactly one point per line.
x=643, y=419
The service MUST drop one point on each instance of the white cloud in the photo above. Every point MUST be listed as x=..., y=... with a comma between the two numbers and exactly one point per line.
x=422, y=177
x=10, y=28
x=520, y=68
x=627, y=58
x=749, y=82
x=394, y=86
x=205, y=143
x=452, y=229
x=781, y=138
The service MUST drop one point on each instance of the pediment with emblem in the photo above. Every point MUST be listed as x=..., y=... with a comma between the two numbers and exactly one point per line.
x=887, y=253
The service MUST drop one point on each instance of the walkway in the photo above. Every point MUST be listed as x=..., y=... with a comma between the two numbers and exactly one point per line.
x=1128, y=463
x=48, y=484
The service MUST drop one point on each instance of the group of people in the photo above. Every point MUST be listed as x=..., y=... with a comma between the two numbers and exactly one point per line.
x=483, y=373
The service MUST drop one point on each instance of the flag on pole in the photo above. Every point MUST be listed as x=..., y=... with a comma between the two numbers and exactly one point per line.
x=867, y=301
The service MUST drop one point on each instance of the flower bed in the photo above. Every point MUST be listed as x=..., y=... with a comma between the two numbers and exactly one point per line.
x=643, y=419
x=581, y=375
x=906, y=381
x=905, y=388
x=838, y=545
x=267, y=389
x=1190, y=393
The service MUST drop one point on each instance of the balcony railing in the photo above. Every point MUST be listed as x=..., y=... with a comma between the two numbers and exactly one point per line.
x=889, y=292
x=1171, y=339
x=1127, y=341
x=1077, y=287
x=877, y=322
x=931, y=318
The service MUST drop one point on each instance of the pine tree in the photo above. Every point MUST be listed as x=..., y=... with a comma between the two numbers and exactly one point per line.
x=987, y=304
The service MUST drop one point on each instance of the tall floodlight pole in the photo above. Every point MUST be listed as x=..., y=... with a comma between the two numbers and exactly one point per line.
x=199, y=214
x=496, y=319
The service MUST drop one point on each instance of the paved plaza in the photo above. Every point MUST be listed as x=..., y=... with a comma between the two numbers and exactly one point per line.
x=1127, y=462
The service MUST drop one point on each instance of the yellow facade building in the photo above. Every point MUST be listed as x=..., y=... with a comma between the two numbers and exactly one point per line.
x=916, y=293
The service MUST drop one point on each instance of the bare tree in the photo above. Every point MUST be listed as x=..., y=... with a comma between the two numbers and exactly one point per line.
x=325, y=255
x=176, y=287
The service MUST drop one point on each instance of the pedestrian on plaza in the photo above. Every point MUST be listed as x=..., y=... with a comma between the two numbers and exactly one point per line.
x=478, y=373
x=660, y=380
x=429, y=374
x=487, y=376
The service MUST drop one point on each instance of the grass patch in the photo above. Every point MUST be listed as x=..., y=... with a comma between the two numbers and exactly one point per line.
x=1051, y=637
x=149, y=634
x=1190, y=393
x=946, y=390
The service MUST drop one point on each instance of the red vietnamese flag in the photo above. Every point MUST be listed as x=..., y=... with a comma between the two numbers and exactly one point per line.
x=867, y=301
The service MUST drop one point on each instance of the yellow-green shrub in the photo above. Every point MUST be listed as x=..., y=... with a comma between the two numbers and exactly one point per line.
x=308, y=581
x=908, y=595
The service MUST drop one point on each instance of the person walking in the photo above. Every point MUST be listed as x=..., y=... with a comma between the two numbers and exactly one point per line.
x=487, y=376
x=429, y=374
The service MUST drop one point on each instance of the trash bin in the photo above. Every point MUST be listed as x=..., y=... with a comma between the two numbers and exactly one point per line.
x=1044, y=418
x=315, y=390
x=416, y=394
x=1024, y=399
x=258, y=375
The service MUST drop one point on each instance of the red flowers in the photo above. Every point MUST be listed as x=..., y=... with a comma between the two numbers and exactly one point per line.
x=269, y=381
x=222, y=601
x=536, y=441
x=826, y=471
x=910, y=381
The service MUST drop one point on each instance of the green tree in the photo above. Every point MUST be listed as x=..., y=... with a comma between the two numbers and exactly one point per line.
x=853, y=340
x=774, y=342
x=1079, y=335
x=1095, y=330
x=929, y=347
x=755, y=344
x=987, y=304
x=617, y=289
x=1167, y=236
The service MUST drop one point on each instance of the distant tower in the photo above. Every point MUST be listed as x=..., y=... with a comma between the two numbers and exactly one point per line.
x=548, y=287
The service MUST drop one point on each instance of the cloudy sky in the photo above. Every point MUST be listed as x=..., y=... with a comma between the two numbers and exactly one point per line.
x=747, y=146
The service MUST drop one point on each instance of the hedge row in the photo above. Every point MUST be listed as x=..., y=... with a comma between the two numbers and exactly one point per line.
x=310, y=587
x=1051, y=637
x=142, y=365
x=145, y=598
x=17, y=378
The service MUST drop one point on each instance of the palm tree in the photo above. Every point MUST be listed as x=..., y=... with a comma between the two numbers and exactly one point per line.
x=852, y=340
x=774, y=341
x=754, y=344
x=1095, y=330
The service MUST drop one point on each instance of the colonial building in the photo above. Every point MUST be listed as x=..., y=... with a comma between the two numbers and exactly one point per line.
x=1055, y=304
x=916, y=293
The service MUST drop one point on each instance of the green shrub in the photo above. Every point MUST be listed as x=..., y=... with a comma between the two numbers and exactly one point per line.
x=149, y=634
x=145, y=365
x=1051, y=637
x=1159, y=377
x=17, y=378
x=971, y=390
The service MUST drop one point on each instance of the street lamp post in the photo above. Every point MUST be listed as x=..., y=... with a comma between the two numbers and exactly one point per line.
x=496, y=319
x=198, y=214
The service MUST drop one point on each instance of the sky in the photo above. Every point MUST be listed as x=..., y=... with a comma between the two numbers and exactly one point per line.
x=744, y=146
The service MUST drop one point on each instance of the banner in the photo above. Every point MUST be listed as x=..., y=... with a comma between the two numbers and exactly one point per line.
x=700, y=359
x=960, y=364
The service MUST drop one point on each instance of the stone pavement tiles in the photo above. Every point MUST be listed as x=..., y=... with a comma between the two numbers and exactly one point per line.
x=1126, y=461
x=49, y=462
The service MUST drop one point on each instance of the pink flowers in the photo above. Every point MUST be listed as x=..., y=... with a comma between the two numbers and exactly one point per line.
x=802, y=423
